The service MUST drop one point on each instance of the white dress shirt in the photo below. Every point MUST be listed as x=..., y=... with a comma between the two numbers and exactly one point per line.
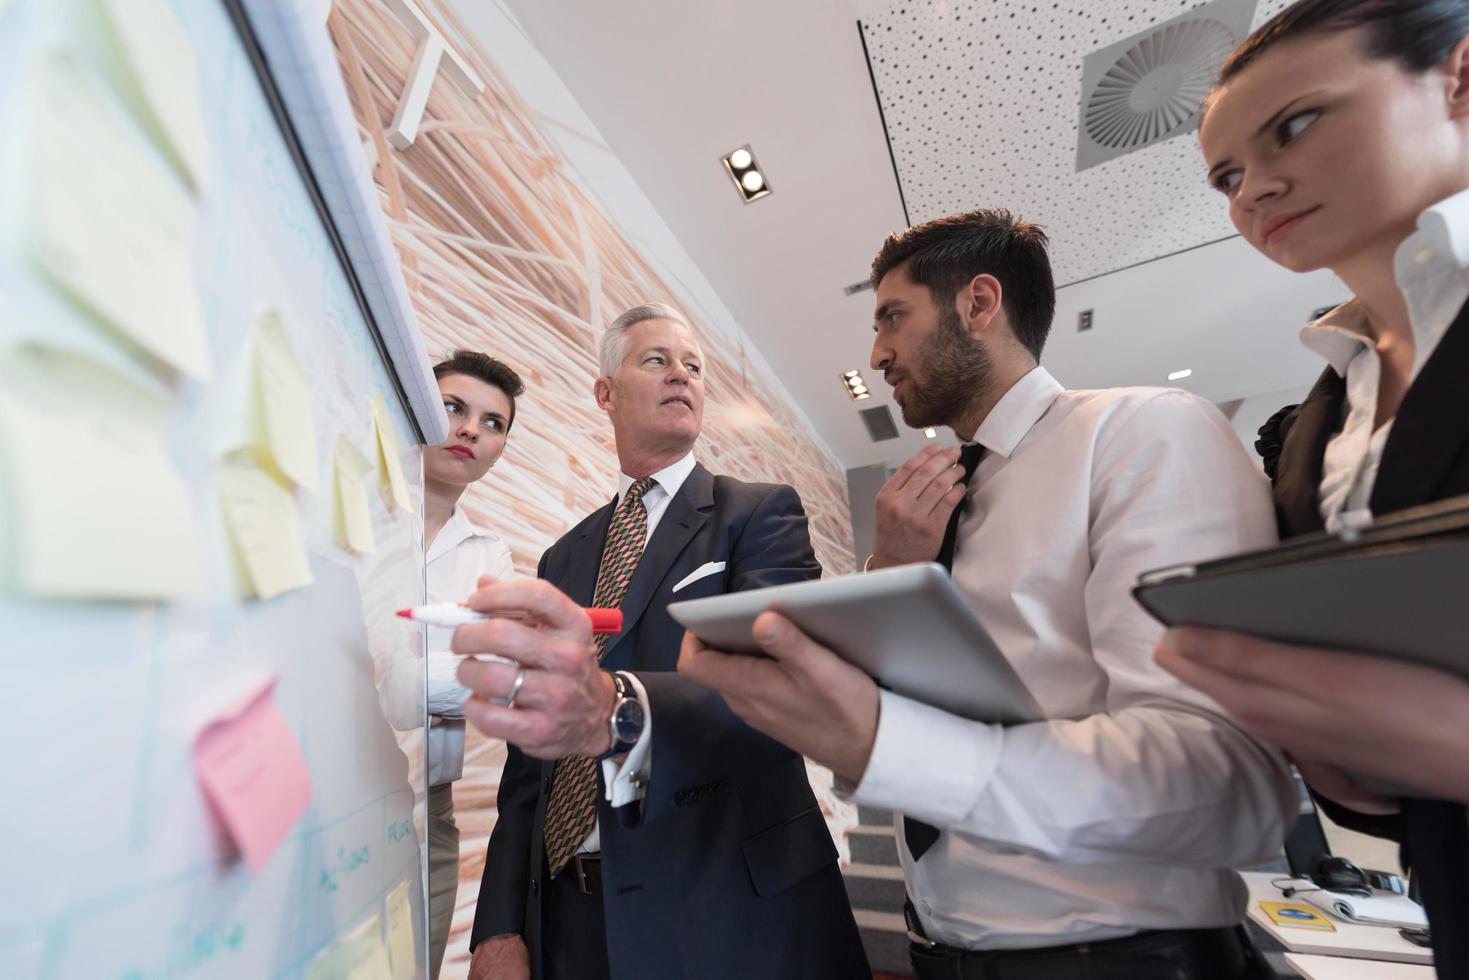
x=1127, y=809
x=626, y=780
x=1432, y=268
x=459, y=555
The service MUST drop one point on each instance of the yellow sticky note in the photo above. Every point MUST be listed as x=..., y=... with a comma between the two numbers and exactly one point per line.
x=336, y=961
x=353, y=519
x=282, y=392
x=111, y=224
x=265, y=527
x=158, y=76
x=390, y=469
x=359, y=956
x=374, y=963
x=99, y=511
x=400, y=933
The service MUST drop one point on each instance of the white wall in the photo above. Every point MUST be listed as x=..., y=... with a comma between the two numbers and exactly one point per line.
x=607, y=180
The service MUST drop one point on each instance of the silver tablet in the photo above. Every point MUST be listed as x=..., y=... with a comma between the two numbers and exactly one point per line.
x=907, y=626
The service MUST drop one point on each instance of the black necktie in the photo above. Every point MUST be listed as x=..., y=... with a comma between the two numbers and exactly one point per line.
x=969, y=458
x=919, y=835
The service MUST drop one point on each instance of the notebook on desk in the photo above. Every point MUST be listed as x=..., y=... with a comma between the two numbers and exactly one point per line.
x=1395, y=588
x=1379, y=909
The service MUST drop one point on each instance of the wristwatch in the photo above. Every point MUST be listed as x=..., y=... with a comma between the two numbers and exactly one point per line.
x=627, y=716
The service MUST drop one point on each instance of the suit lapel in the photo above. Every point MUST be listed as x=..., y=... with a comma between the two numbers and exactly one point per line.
x=586, y=557
x=1305, y=434
x=1431, y=428
x=686, y=514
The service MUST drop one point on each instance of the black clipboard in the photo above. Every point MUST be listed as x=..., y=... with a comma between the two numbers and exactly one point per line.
x=1397, y=588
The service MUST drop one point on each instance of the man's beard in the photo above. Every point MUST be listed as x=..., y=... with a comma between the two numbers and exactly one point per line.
x=951, y=371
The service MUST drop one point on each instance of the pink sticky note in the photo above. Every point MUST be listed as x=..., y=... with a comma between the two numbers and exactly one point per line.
x=254, y=775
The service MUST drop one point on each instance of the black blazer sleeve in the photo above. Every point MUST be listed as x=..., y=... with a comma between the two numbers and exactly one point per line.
x=692, y=726
x=506, y=879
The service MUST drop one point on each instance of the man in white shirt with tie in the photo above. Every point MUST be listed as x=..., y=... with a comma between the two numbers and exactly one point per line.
x=1099, y=842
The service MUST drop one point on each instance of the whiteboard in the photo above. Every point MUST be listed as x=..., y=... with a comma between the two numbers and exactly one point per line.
x=111, y=862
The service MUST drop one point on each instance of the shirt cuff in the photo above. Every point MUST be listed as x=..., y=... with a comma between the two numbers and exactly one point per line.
x=446, y=696
x=927, y=763
x=627, y=781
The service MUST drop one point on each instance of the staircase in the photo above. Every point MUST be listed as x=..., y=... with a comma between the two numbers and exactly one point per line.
x=875, y=887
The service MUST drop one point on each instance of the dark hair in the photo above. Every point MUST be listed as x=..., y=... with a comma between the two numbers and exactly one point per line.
x=947, y=253
x=474, y=364
x=1417, y=34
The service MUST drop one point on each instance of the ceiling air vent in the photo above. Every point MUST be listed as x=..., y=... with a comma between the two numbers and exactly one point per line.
x=879, y=422
x=1147, y=88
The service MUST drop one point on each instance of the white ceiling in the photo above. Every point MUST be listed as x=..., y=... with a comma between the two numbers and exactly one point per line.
x=672, y=85
x=982, y=102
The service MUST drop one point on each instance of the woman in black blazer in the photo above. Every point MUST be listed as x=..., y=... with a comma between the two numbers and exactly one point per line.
x=1339, y=132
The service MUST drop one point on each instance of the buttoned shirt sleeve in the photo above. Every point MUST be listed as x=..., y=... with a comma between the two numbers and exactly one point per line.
x=1161, y=773
x=446, y=696
x=404, y=696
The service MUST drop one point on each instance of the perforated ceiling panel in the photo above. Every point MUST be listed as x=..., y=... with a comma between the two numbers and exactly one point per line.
x=981, y=100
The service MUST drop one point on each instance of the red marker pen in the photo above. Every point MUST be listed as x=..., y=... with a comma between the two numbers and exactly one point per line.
x=451, y=614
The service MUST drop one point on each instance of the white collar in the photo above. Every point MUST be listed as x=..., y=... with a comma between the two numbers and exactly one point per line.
x=1338, y=336
x=456, y=529
x=670, y=478
x=1432, y=270
x=1017, y=411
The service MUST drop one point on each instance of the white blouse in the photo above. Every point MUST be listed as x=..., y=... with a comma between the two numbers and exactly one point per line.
x=1432, y=267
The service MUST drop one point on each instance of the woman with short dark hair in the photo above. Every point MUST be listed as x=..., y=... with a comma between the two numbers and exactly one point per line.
x=479, y=395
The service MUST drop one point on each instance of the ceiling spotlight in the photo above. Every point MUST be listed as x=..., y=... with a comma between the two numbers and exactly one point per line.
x=856, y=387
x=1180, y=375
x=740, y=164
x=931, y=433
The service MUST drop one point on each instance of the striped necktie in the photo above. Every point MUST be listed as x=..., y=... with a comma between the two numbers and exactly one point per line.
x=572, y=809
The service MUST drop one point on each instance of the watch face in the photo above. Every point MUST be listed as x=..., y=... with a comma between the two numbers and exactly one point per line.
x=627, y=720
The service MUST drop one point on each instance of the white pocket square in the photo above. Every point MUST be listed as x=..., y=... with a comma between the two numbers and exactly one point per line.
x=703, y=571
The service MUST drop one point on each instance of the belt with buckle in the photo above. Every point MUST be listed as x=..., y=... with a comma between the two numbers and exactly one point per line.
x=588, y=871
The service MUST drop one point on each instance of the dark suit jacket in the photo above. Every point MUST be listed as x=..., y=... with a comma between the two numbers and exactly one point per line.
x=1426, y=459
x=727, y=868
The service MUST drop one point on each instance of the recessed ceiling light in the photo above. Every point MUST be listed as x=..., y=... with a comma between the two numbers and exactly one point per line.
x=1180, y=375
x=743, y=169
x=855, y=386
x=932, y=434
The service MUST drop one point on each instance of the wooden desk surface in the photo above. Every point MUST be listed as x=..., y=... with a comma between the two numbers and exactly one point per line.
x=1314, y=967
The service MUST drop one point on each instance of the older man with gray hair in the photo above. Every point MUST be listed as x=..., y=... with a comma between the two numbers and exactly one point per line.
x=644, y=831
